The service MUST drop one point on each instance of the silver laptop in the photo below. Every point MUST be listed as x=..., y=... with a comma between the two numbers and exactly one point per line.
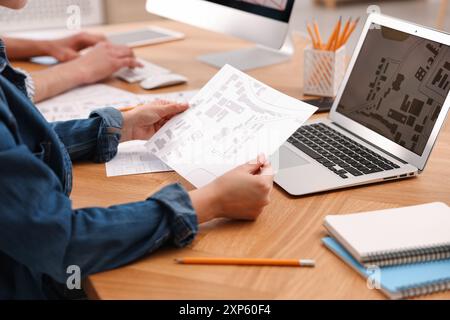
x=386, y=116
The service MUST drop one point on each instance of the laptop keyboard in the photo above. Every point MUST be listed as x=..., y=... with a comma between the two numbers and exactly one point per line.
x=338, y=153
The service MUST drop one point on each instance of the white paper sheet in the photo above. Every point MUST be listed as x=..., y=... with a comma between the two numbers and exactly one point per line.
x=232, y=119
x=182, y=96
x=134, y=158
x=79, y=103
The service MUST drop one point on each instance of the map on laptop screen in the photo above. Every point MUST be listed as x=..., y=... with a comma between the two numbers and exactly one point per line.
x=398, y=86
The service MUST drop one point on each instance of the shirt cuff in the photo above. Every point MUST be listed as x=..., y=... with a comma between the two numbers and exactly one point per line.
x=109, y=133
x=183, y=222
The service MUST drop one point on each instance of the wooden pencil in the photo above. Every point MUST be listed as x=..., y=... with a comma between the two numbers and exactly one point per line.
x=332, y=38
x=352, y=28
x=248, y=262
x=336, y=38
x=318, y=36
x=344, y=33
x=313, y=40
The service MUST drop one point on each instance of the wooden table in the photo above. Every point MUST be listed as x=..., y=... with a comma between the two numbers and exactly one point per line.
x=289, y=227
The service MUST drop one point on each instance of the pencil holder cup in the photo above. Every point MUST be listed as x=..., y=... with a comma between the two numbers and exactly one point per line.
x=323, y=71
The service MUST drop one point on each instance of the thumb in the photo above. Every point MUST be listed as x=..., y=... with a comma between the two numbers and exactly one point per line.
x=267, y=170
x=254, y=166
x=267, y=173
x=65, y=54
x=86, y=40
x=251, y=167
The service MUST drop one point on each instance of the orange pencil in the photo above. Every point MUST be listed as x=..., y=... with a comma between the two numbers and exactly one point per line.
x=336, y=38
x=248, y=262
x=344, y=33
x=334, y=35
x=318, y=36
x=314, y=41
x=353, y=27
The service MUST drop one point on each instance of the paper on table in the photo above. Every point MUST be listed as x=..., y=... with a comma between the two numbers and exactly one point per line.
x=182, y=96
x=79, y=103
x=232, y=119
x=134, y=158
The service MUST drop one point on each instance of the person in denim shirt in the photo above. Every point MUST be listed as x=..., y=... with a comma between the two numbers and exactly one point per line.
x=41, y=235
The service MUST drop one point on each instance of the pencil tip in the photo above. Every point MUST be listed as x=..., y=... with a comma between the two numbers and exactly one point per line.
x=178, y=260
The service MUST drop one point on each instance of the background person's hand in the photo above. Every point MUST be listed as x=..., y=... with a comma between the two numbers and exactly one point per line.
x=68, y=48
x=142, y=122
x=102, y=60
x=241, y=193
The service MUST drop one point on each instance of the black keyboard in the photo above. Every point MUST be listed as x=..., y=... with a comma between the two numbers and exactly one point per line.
x=338, y=153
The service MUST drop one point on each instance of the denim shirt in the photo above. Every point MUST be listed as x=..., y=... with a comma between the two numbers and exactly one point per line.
x=41, y=235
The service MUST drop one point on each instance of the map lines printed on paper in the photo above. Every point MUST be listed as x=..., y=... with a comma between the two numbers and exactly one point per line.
x=231, y=120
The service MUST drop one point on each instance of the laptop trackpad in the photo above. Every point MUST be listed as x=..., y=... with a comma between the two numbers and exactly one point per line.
x=289, y=159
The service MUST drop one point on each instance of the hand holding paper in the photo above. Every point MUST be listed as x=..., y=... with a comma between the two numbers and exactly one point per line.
x=241, y=193
x=231, y=120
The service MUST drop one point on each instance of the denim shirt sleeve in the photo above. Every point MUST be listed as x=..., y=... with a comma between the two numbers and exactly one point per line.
x=95, y=139
x=40, y=229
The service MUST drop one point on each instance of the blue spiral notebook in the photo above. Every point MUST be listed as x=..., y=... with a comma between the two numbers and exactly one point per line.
x=401, y=281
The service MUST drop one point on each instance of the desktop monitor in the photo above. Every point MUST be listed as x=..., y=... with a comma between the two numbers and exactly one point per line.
x=264, y=22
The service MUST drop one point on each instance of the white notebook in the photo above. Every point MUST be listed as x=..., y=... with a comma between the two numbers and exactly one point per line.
x=394, y=236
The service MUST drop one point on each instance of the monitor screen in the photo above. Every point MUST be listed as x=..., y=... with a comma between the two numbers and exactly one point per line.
x=275, y=9
x=398, y=86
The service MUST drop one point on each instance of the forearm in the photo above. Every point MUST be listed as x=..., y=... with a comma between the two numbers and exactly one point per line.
x=19, y=49
x=204, y=201
x=95, y=239
x=93, y=139
x=56, y=80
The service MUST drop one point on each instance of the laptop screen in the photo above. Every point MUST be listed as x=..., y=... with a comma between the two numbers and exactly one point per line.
x=397, y=86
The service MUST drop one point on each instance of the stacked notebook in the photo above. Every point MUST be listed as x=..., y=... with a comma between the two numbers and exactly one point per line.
x=410, y=246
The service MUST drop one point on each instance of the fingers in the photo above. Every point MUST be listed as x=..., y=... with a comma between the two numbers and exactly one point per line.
x=266, y=176
x=121, y=51
x=65, y=54
x=251, y=167
x=262, y=159
x=120, y=63
x=126, y=53
x=254, y=166
x=169, y=110
x=161, y=124
x=264, y=186
x=163, y=101
x=119, y=56
x=267, y=170
x=123, y=56
x=84, y=39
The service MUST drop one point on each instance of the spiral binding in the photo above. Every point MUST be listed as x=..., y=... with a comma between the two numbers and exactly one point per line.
x=424, y=289
x=413, y=255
